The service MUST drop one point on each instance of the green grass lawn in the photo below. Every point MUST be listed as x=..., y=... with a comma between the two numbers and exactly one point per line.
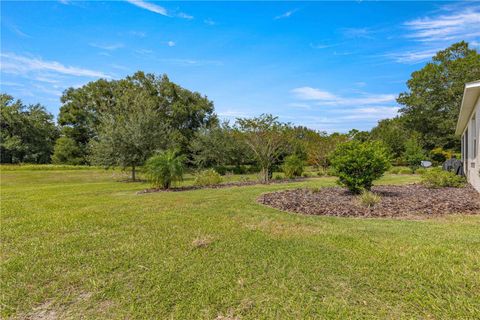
x=80, y=244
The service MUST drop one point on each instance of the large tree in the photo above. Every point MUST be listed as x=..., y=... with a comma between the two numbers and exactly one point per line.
x=393, y=133
x=130, y=131
x=180, y=109
x=27, y=133
x=432, y=102
x=266, y=137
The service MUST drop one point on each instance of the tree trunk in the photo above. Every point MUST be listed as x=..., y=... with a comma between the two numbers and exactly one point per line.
x=133, y=173
x=265, y=175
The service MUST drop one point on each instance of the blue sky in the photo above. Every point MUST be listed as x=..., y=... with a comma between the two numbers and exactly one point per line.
x=330, y=66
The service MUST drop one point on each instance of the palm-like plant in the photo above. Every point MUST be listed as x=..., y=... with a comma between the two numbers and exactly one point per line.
x=164, y=168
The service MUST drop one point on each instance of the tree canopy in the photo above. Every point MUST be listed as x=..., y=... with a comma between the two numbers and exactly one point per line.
x=183, y=111
x=28, y=133
x=432, y=102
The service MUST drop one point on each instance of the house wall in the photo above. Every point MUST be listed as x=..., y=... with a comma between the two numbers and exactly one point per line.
x=471, y=164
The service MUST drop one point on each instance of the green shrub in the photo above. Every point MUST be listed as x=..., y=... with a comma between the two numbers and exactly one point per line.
x=321, y=172
x=66, y=151
x=368, y=199
x=405, y=171
x=293, y=166
x=438, y=178
x=331, y=172
x=164, y=168
x=207, y=177
x=394, y=170
x=439, y=156
x=222, y=170
x=358, y=164
x=420, y=171
x=277, y=177
x=413, y=153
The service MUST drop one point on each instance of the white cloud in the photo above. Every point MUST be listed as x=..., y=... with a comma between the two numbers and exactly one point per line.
x=412, y=57
x=144, y=51
x=210, y=22
x=287, y=14
x=21, y=65
x=183, y=15
x=149, y=6
x=191, y=62
x=171, y=43
x=139, y=34
x=460, y=23
x=325, y=98
x=363, y=33
x=369, y=113
x=109, y=47
x=300, y=105
x=309, y=93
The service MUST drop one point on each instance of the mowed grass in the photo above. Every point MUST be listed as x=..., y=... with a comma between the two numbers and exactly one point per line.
x=81, y=244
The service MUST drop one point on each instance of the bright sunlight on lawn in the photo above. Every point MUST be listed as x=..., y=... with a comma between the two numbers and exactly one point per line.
x=80, y=242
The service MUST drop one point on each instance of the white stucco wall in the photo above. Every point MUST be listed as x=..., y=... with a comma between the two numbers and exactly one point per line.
x=472, y=164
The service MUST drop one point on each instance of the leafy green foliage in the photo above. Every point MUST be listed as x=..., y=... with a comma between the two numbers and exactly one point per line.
x=83, y=109
x=438, y=178
x=405, y=171
x=414, y=153
x=432, y=103
x=207, y=177
x=320, y=145
x=420, y=170
x=368, y=199
x=266, y=137
x=293, y=166
x=358, y=164
x=67, y=151
x=218, y=146
x=164, y=168
x=27, y=133
x=130, y=132
x=439, y=156
x=394, y=134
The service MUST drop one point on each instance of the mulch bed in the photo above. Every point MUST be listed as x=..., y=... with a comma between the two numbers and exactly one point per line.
x=220, y=186
x=396, y=201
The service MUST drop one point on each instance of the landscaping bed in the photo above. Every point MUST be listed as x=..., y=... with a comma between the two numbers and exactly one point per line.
x=396, y=201
x=220, y=185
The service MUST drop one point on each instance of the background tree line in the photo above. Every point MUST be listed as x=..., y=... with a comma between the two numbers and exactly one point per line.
x=124, y=122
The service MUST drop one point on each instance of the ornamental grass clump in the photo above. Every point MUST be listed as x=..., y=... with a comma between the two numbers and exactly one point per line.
x=368, y=199
x=207, y=177
x=164, y=168
x=358, y=164
x=438, y=178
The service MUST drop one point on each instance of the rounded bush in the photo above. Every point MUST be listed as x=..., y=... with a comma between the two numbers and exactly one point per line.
x=207, y=177
x=358, y=164
x=438, y=178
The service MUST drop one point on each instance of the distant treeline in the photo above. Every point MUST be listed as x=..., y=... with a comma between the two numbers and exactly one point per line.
x=123, y=122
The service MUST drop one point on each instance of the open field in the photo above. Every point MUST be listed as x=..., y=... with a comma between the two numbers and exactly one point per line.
x=80, y=243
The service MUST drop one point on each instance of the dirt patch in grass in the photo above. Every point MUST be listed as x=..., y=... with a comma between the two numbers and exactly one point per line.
x=219, y=186
x=396, y=201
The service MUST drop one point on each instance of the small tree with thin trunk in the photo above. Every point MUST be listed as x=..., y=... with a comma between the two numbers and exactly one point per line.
x=266, y=137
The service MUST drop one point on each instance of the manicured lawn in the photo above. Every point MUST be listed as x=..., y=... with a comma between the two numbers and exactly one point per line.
x=80, y=243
